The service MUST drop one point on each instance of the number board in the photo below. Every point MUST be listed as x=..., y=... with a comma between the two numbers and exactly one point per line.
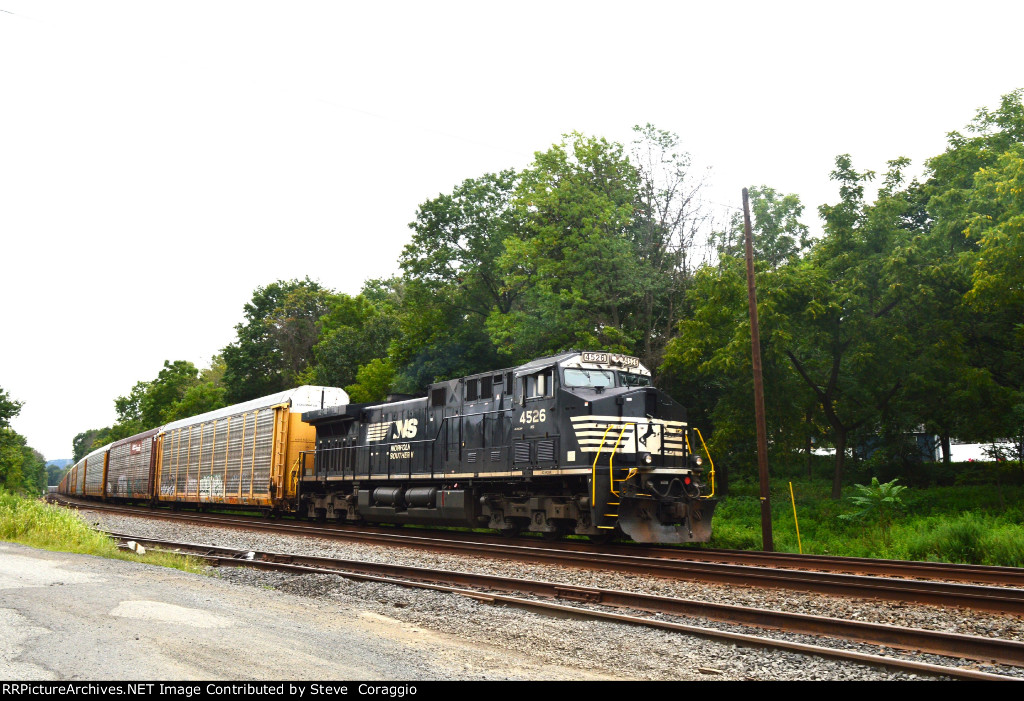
x=626, y=361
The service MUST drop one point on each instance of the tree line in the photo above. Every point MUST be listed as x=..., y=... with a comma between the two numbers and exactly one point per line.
x=22, y=468
x=906, y=313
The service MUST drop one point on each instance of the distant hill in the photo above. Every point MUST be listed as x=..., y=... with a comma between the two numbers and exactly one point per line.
x=60, y=463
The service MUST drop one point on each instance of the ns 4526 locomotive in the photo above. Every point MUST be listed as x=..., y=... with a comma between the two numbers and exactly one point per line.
x=574, y=443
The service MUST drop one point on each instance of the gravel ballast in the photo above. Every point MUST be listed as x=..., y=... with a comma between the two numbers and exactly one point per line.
x=626, y=651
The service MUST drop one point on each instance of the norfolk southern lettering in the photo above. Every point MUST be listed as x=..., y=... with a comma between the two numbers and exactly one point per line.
x=574, y=443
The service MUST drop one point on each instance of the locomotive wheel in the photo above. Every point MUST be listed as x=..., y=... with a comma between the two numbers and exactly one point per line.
x=557, y=534
x=510, y=532
x=604, y=537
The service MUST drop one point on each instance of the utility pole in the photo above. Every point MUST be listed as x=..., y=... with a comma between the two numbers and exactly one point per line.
x=767, y=543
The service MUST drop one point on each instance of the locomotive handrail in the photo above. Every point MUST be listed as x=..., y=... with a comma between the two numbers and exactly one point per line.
x=432, y=440
x=367, y=448
x=611, y=458
x=593, y=469
x=711, y=474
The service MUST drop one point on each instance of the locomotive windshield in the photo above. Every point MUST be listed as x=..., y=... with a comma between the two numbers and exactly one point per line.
x=578, y=377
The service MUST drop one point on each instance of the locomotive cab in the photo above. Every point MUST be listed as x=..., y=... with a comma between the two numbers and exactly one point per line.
x=643, y=478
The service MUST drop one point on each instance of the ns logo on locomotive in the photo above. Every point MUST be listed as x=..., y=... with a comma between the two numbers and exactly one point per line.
x=574, y=443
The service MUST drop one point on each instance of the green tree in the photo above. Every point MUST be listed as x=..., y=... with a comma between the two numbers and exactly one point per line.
x=373, y=382
x=970, y=287
x=9, y=408
x=55, y=473
x=452, y=282
x=12, y=456
x=708, y=367
x=667, y=230
x=353, y=332
x=178, y=391
x=573, y=263
x=153, y=403
x=86, y=441
x=22, y=469
x=843, y=309
x=777, y=234
x=458, y=239
x=196, y=399
x=276, y=339
x=952, y=182
x=997, y=292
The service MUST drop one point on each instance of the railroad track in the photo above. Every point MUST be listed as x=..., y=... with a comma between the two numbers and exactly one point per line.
x=671, y=563
x=606, y=604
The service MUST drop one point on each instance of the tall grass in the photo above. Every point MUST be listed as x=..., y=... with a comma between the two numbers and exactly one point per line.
x=975, y=524
x=40, y=525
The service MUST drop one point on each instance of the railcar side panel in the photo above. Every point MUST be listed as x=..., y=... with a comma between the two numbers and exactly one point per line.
x=95, y=471
x=248, y=454
x=130, y=466
x=226, y=460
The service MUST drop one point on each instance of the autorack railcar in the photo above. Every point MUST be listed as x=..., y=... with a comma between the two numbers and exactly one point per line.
x=244, y=455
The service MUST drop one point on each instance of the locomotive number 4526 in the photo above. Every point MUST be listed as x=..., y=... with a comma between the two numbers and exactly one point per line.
x=533, y=417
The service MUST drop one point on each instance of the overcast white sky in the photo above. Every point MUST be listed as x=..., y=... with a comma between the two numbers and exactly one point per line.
x=159, y=161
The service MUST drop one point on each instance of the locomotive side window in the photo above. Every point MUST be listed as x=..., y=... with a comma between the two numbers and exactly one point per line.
x=471, y=389
x=539, y=384
x=437, y=397
x=485, y=387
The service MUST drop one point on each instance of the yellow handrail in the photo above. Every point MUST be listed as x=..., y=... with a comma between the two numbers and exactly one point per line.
x=611, y=459
x=593, y=469
x=711, y=474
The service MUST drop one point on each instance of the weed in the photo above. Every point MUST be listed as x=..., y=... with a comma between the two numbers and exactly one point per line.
x=39, y=525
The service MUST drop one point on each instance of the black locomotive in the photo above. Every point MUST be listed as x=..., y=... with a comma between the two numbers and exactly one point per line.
x=574, y=443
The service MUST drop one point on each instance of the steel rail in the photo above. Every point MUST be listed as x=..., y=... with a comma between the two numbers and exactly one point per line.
x=947, y=594
x=982, y=574
x=989, y=650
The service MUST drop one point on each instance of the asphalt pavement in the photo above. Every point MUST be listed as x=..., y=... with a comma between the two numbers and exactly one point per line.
x=78, y=617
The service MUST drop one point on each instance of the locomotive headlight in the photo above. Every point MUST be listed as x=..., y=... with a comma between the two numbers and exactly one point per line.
x=647, y=458
x=699, y=461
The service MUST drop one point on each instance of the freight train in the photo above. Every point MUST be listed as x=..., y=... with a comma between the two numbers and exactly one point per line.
x=576, y=443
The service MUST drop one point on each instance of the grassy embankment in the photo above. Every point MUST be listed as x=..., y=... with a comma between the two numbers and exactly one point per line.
x=40, y=525
x=966, y=523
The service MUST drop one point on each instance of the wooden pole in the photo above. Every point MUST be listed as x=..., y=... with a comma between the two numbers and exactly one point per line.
x=767, y=543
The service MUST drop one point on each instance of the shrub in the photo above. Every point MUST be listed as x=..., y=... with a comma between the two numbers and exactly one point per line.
x=879, y=502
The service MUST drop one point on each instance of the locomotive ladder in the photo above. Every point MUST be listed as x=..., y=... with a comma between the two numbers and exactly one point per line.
x=610, y=508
